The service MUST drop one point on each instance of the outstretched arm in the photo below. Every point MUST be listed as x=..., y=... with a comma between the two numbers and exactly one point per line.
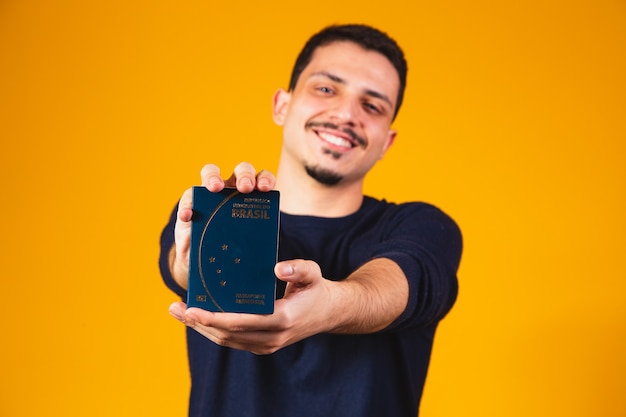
x=368, y=300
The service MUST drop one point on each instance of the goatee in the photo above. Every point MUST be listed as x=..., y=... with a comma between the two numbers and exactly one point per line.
x=323, y=176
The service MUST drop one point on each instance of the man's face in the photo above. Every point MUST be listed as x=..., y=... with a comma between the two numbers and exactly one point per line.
x=337, y=119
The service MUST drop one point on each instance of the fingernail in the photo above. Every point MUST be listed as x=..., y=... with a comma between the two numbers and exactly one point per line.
x=214, y=180
x=286, y=270
x=246, y=181
x=263, y=182
x=176, y=314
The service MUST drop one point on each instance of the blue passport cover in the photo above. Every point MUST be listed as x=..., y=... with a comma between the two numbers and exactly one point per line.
x=234, y=247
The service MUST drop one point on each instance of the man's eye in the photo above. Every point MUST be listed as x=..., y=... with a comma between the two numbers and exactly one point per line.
x=326, y=90
x=371, y=107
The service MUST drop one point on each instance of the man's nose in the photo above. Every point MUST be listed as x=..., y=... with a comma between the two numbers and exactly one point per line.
x=344, y=111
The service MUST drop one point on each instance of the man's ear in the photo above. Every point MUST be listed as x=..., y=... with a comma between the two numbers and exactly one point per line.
x=279, y=106
x=391, y=137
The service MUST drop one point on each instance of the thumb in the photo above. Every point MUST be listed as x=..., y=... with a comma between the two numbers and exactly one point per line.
x=298, y=271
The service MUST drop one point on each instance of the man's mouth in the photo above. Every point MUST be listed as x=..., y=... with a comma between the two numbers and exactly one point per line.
x=336, y=140
x=347, y=138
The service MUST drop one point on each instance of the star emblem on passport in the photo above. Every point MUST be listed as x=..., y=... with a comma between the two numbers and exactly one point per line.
x=225, y=260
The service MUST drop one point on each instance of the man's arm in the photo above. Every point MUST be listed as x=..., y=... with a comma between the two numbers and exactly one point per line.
x=376, y=294
x=367, y=301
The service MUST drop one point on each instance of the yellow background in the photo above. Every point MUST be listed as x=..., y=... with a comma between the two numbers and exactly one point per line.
x=513, y=123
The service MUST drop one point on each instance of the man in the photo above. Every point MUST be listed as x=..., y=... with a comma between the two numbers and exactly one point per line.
x=362, y=283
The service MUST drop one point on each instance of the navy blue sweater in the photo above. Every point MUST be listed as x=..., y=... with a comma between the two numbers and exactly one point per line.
x=380, y=374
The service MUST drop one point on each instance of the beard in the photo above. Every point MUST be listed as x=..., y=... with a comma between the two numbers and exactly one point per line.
x=323, y=176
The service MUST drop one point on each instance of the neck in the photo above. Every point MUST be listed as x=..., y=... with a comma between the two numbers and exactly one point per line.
x=302, y=195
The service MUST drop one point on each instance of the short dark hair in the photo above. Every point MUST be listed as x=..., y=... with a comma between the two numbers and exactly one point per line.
x=365, y=36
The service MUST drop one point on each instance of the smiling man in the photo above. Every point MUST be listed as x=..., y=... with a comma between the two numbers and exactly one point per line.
x=362, y=283
x=342, y=106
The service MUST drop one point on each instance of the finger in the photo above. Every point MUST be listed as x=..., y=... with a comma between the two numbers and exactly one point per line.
x=231, y=322
x=265, y=180
x=243, y=178
x=259, y=334
x=184, y=206
x=182, y=229
x=259, y=343
x=183, y=216
x=211, y=178
x=299, y=271
x=177, y=310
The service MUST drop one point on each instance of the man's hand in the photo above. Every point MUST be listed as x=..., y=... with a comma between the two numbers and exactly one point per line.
x=302, y=312
x=244, y=178
x=367, y=301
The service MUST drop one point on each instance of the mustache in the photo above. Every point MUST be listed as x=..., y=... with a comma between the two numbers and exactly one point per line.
x=328, y=125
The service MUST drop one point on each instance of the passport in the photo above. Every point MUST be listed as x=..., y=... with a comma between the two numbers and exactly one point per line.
x=234, y=247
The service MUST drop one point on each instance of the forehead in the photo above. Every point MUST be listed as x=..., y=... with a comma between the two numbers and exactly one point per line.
x=359, y=67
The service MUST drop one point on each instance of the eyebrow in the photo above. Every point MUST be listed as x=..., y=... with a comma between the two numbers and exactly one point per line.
x=339, y=80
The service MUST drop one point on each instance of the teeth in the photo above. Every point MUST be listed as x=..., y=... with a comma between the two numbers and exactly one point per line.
x=332, y=139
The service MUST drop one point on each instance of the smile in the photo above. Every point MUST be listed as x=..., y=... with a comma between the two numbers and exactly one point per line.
x=336, y=140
